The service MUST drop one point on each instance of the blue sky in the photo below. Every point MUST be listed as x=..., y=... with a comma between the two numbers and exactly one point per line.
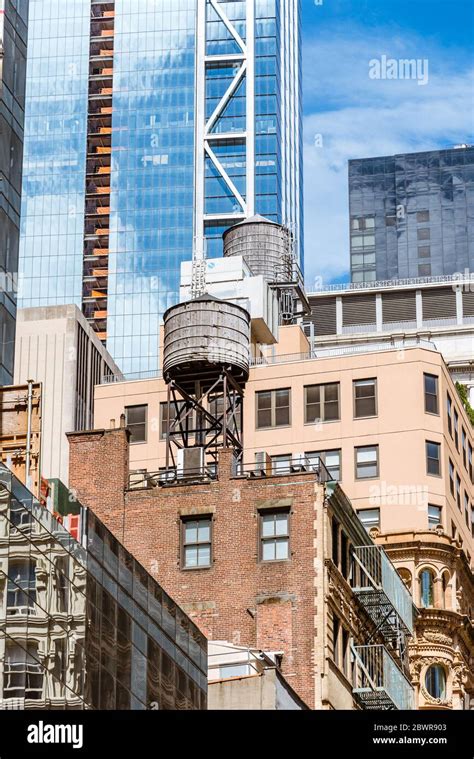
x=350, y=115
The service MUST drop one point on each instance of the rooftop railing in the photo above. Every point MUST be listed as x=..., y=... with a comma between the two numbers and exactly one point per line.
x=378, y=682
x=344, y=350
x=389, y=283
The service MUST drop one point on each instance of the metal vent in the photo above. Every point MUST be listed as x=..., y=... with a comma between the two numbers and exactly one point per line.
x=399, y=307
x=439, y=303
x=358, y=309
x=468, y=304
x=323, y=315
x=190, y=462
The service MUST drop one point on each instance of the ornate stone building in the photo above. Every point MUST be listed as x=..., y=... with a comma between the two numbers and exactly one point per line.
x=435, y=569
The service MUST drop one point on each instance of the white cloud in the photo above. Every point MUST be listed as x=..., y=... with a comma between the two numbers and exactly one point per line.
x=358, y=117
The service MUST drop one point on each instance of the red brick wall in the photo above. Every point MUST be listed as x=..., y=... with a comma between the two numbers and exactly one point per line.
x=239, y=599
x=98, y=466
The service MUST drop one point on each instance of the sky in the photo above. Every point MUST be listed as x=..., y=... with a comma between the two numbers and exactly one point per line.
x=348, y=114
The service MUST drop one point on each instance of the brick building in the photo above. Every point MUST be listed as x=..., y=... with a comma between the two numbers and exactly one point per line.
x=260, y=560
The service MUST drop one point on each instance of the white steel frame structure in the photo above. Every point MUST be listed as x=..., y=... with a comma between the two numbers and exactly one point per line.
x=205, y=137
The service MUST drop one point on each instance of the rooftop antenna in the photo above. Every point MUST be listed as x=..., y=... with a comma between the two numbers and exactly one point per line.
x=198, y=275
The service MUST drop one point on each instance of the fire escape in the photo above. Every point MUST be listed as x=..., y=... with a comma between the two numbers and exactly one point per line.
x=99, y=154
x=380, y=668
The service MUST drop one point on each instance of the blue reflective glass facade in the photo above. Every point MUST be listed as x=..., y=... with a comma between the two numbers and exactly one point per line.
x=13, y=36
x=153, y=168
x=412, y=215
x=52, y=221
x=151, y=224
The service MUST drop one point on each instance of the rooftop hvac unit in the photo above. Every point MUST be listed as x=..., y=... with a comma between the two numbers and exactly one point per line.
x=138, y=479
x=190, y=462
x=298, y=461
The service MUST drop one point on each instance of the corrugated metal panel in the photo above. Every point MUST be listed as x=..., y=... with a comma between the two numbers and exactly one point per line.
x=323, y=315
x=439, y=303
x=399, y=307
x=358, y=309
x=468, y=304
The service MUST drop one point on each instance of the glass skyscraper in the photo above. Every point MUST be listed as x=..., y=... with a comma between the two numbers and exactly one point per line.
x=153, y=126
x=13, y=35
x=412, y=215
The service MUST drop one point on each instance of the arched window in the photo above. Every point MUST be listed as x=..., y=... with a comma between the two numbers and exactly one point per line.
x=427, y=588
x=445, y=585
x=405, y=576
x=435, y=681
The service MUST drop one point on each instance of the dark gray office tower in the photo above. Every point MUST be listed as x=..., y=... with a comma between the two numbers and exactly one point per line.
x=412, y=215
x=13, y=32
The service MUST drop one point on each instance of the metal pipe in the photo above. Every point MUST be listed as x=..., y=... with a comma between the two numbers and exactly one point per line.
x=28, y=433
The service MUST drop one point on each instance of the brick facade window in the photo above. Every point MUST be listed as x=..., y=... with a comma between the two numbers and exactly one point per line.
x=136, y=422
x=273, y=408
x=274, y=535
x=365, y=398
x=321, y=403
x=196, y=542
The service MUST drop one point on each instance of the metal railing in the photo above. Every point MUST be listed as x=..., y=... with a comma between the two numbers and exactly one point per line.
x=109, y=379
x=234, y=661
x=377, y=583
x=270, y=468
x=411, y=342
x=171, y=476
x=377, y=680
x=389, y=283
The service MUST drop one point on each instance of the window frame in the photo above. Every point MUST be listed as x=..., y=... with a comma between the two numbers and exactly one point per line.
x=261, y=539
x=360, y=448
x=427, y=375
x=322, y=402
x=185, y=519
x=273, y=393
x=136, y=424
x=449, y=413
x=430, y=458
x=437, y=681
x=354, y=399
x=423, y=572
x=432, y=525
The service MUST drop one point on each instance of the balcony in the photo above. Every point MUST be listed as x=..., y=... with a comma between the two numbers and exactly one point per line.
x=381, y=592
x=378, y=683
